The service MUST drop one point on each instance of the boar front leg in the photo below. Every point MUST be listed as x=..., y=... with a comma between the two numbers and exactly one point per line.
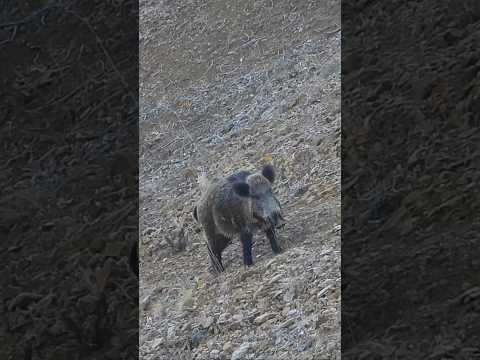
x=246, y=239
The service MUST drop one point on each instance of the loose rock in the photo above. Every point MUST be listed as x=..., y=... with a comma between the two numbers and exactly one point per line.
x=241, y=351
x=262, y=318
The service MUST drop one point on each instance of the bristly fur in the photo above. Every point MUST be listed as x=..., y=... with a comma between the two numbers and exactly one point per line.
x=237, y=206
x=241, y=189
x=239, y=176
x=203, y=184
x=269, y=172
x=258, y=183
x=203, y=181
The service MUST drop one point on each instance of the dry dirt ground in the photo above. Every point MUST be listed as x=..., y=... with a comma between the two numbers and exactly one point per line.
x=410, y=215
x=66, y=224
x=226, y=85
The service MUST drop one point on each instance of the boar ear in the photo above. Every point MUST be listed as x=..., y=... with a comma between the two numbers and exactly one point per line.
x=241, y=188
x=269, y=172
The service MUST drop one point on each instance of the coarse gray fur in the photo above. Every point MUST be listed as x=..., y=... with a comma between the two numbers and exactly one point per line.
x=238, y=206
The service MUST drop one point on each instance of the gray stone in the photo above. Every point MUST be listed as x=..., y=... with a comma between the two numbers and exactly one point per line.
x=207, y=322
x=198, y=335
x=215, y=354
x=241, y=351
x=262, y=318
x=237, y=317
x=222, y=319
x=227, y=346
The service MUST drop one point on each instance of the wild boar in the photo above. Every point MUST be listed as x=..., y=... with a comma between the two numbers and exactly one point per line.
x=238, y=206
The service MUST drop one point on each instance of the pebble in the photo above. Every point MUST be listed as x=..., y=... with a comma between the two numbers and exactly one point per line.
x=299, y=141
x=241, y=351
x=215, y=354
x=286, y=323
x=317, y=140
x=198, y=335
x=171, y=332
x=222, y=319
x=154, y=344
x=262, y=318
x=190, y=174
x=187, y=299
x=290, y=294
x=276, y=278
x=306, y=344
x=207, y=322
x=270, y=262
x=149, y=231
x=237, y=317
x=300, y=191
x=227, y=346
x=292, y=312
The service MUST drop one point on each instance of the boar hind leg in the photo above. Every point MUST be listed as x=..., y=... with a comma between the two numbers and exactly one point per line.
x=219, y=244
x=215, y=260
x=246, y=239
x=272, y=237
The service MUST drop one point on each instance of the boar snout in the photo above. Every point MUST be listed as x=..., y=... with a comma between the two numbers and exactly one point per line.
x=280, y=220
x=276, y=220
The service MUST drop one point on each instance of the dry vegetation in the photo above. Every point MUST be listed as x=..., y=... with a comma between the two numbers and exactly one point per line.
x=410, y=203
x=223, y=86
x=67, y=116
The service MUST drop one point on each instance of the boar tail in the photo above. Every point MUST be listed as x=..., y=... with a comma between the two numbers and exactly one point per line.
x=203, y=181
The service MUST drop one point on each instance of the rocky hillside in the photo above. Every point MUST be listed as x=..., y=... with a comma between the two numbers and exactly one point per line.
x=224, y=86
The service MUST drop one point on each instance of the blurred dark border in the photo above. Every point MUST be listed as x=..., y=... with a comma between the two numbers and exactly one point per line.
x=410, y=176
x=68, y=179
